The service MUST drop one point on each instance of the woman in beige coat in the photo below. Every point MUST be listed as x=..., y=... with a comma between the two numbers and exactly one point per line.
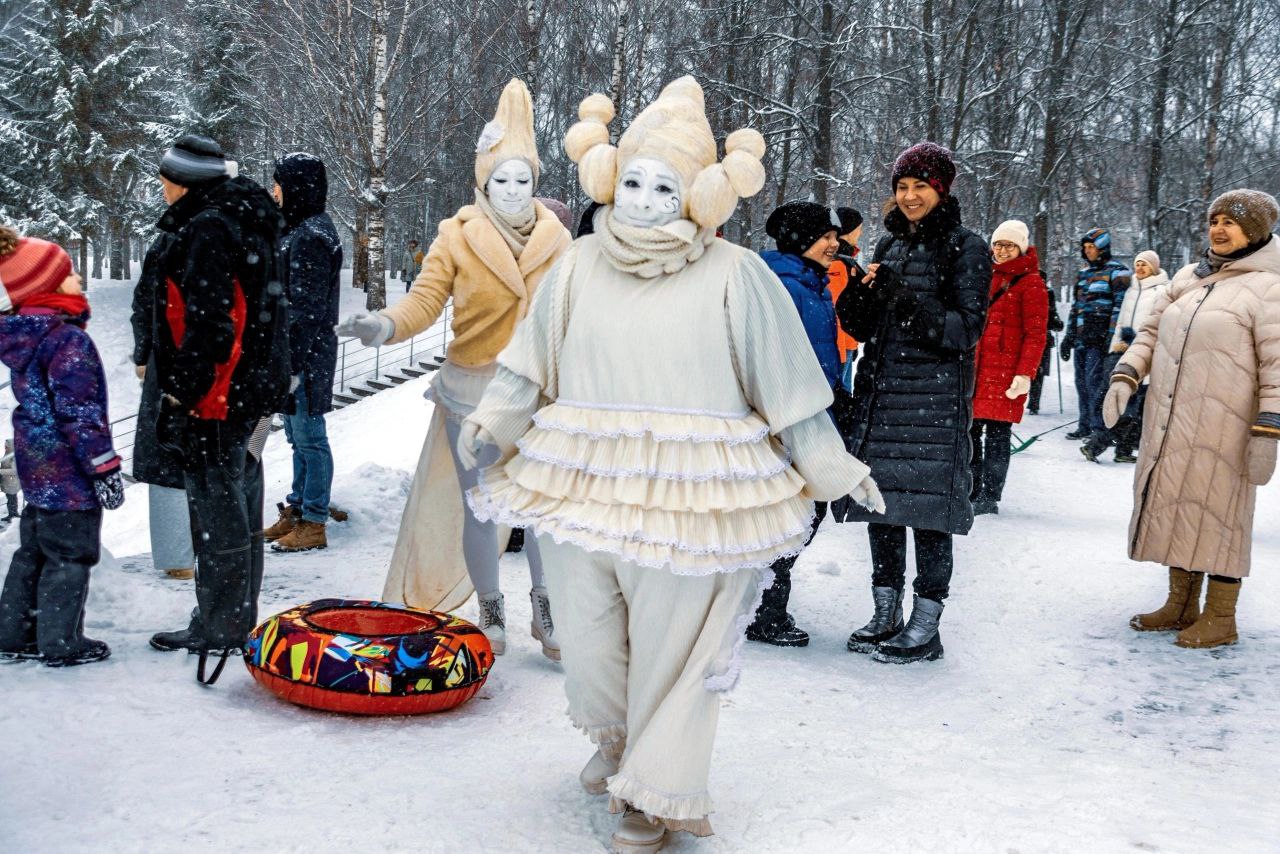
x=1211, y=348
x=489, y=258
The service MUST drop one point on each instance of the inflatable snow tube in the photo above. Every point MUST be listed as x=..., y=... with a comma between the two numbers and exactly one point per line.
x=369, y=658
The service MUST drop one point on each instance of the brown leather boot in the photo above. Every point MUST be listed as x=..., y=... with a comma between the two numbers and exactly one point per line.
x=304, y=537
x=1180, y=610
x=289, y=517
x=1217, y=625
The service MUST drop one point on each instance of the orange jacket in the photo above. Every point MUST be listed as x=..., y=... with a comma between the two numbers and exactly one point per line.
x=837, y=279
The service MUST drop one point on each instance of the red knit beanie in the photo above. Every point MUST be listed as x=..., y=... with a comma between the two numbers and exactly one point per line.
x=33, y=267
x=929, y=162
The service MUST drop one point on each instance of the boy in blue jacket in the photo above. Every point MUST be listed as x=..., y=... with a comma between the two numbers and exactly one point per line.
x=66, y=463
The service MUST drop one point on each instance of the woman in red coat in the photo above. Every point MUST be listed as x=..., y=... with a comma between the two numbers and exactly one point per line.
x=1007, y=360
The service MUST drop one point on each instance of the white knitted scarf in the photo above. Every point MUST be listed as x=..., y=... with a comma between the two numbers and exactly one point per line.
x=651, y=252
x=514, y=228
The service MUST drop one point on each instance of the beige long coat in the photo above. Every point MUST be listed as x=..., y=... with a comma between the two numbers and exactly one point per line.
x=1212, y=349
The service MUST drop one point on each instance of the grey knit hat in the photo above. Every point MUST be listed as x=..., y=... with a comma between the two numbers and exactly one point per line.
x=192, y=160
x=1254, y=210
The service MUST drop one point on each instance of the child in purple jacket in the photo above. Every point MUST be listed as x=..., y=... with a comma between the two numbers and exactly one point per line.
x=62, y=443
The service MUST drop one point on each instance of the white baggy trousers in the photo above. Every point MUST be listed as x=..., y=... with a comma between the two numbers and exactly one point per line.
x=638, y=647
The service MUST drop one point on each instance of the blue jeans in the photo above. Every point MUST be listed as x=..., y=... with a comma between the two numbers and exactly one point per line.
x=312, y=460
x=1091, y=386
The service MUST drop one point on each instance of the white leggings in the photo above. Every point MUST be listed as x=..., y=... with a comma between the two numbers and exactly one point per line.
x=480, y=539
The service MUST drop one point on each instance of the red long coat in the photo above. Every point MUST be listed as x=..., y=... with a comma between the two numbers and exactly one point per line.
x=1013, y=340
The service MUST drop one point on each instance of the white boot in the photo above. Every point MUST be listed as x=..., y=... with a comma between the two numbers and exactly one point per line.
x=602, y=765
x=638, y=834
x=493, y=621
x=541, y=626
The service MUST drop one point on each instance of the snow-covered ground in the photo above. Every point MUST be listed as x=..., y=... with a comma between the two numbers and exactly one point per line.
x=1049, y=726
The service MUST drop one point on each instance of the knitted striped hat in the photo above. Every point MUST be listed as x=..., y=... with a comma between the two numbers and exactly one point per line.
x=31, y=268
x=192, y=160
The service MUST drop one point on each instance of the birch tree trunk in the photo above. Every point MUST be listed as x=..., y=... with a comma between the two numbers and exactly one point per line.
x=376, y=293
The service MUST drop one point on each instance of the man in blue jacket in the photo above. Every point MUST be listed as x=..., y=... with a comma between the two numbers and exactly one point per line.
x=1099, y=290
x=806, y=236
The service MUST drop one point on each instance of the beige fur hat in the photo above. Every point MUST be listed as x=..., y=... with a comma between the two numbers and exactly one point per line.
x=675, y=130
x=509, y=136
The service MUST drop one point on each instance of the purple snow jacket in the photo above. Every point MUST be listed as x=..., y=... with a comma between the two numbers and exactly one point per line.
x=62, y=439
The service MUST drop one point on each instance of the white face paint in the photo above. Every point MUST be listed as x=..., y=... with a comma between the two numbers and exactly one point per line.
x=648, y=194
x=510, y=187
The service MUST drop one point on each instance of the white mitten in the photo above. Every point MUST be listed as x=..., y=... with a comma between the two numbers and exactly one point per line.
x=868, y=495
x=1260, y=459
x=373, y=330
x=1021, y=385
x=1113, y=405
x=471, y=438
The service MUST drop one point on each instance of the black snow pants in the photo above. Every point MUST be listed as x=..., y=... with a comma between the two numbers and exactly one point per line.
x=991, y=451
x=772, y=613
x=48, y=581
x=889, y=560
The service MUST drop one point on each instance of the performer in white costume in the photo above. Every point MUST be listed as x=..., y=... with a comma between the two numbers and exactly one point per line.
x=489, y=257
x=669, y=428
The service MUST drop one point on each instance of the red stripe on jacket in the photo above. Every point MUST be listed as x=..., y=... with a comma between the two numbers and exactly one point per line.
x=213, y=406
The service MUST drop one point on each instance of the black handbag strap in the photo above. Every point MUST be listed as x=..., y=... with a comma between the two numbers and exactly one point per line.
x=1006, y=288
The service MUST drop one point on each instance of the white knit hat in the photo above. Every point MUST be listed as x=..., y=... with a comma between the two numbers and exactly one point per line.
x=1012, y=231
x=509, y=136
x=675, y=130
x=1151, y=258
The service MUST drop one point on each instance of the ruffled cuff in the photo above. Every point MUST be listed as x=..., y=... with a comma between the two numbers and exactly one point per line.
x=818, y=454
x=1267, y=425
x=507, y=408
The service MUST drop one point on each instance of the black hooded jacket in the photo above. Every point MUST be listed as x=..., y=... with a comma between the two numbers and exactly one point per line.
x=914, y=386
x=310, y=263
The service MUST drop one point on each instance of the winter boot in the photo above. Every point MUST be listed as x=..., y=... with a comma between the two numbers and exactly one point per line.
x=1180, y=610
x=638, y=834
x=541, y=626
x=17, y=604
x=1125, y=457
x=784, y=633
x=59, y=626
x=985, y=506
x=919, y=641
x=602, y=765
x=26, y=652
x=1217, y=625
x=1076, y=435
x=1089, y=453
x=181, y=573
x=289, y=516
x=191, y=638
x=493, y=621
x=885, y=623
x=304, y=537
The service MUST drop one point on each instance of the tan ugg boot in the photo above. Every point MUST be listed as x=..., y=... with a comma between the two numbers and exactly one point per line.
x=1217, y=625
x=289, y=517
x=1180, y=610
x=304, y=537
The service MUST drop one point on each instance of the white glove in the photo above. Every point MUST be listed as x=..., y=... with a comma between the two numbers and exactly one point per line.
x=1021, y=385
x=1113, y=405
x=294, y=382
x=868, y=495
x=471, y=438
x=373, y=330
x=1260, y=459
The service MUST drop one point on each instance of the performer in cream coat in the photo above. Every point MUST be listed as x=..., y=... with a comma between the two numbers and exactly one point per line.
x=489, y=258
x=665, y=432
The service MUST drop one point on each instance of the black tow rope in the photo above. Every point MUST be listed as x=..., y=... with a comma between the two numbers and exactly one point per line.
x=217, y=670
x=1021, y=445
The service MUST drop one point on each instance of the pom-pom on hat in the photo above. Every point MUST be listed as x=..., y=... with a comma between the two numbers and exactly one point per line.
x=929, y=162
x=193, y=160
x=796, y=226
x=509, y=136
x=675, y=130
x=1255, y=211
x=1014, y=231
x=30, y=267
x=1152, y=259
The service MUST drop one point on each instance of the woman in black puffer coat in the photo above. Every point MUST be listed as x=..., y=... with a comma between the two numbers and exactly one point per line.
x=920, y=311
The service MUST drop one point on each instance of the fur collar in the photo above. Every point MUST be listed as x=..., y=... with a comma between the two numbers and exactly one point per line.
x=548, y=237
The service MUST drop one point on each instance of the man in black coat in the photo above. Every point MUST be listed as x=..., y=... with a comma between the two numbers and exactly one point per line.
x=220, y=349
x=920, y=312
x=310, y=262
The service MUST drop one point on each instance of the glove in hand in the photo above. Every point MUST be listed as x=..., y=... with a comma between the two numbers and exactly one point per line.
x=373, y=330
x=1021, y=385
x=471, y=438
x=868, y=495
x=1114, y=404
x=1065, y=348
x=1260, y=460
x=1127, y=334
x=109, y=490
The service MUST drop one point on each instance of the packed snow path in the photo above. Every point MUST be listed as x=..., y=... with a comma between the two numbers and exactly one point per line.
x=1049, y=726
